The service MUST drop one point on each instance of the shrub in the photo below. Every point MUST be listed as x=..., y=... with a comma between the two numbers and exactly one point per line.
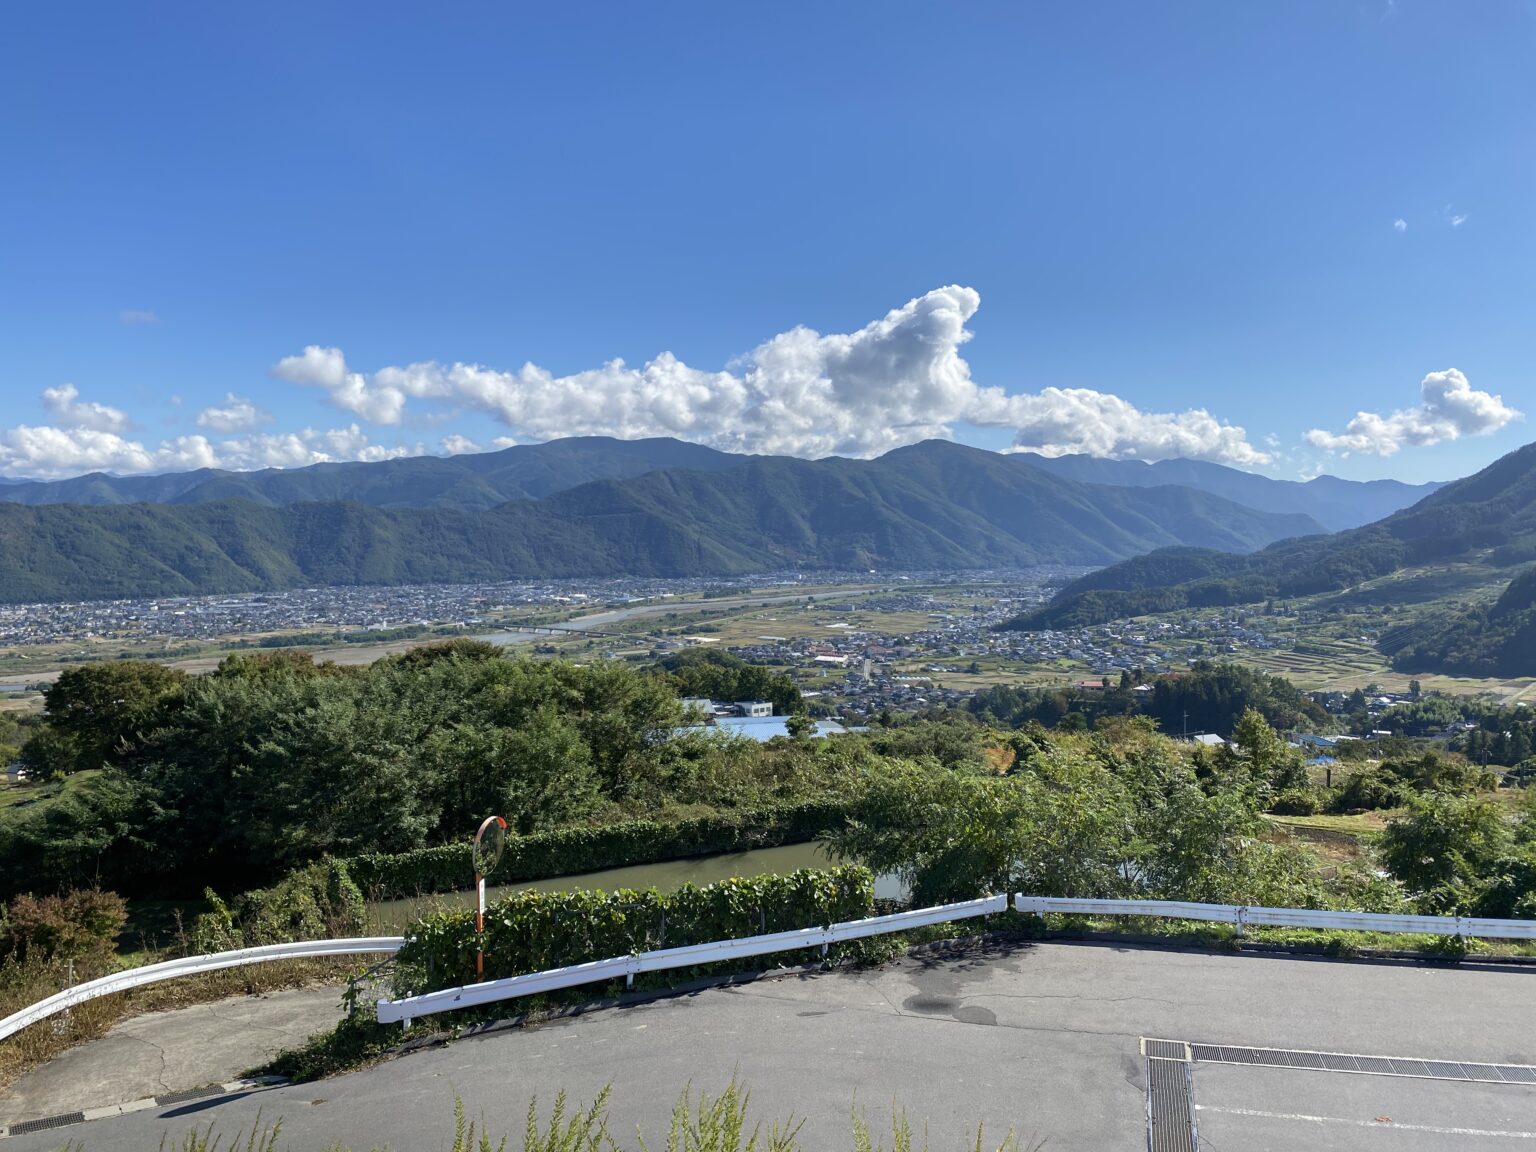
x=570, y=851
x=535, y=931
x=80, y=925
x=314, y=903
x=1295, y=802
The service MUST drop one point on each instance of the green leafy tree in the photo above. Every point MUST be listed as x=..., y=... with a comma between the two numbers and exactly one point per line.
x=95, y=710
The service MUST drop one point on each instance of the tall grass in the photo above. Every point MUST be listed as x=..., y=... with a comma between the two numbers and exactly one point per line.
x=707, y=1124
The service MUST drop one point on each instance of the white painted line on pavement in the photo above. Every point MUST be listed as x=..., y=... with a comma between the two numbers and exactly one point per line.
x=1382, y=1124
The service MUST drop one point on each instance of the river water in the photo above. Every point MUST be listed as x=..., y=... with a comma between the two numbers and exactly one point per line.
x=394, y=915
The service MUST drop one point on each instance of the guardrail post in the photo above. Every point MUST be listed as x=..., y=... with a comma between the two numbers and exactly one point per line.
x=1242, y=921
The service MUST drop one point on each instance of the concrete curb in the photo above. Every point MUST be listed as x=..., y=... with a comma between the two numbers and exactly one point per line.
x=242, y=1087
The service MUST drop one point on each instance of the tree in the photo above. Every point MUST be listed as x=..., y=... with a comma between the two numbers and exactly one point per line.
x=1444, y=846
x=800, y=726
x=93, y=710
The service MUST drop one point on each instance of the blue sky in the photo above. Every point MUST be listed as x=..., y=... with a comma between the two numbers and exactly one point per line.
x=1277, y=216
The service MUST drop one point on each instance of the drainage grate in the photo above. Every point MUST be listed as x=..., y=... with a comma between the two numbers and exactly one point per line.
x=46, y=1123
x=190, y=1094
x=1370, y=1065
x=1165, y=1049
x=1170, y=1111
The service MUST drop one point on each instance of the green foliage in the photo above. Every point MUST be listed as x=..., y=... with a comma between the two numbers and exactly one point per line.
x=1445, y=848
x=534, y=931
x=96, y=712
x=570, y=851
x=1208, y=698
x=1076, y=816
x=719, y=1124
x=312, y=903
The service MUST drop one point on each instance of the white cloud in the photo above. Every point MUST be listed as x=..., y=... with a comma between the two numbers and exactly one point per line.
x=138, y=316
x=895, y=381
x=49, y=452
x=1449, y=409
x=1059, y=421
x=69, y=411
x=236, y=415
x=1400, y=224
x=1457, y=219
x=456, y=445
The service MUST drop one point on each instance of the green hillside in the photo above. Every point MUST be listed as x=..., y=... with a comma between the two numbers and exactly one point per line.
x=1497, y=640
x=1490, y=515
x=931, y=506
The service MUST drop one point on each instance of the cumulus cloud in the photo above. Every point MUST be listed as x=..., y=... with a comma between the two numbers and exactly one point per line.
x=1400, y=224
x=895, y=381
x=456, y=445
x=234, y=415
x=48, y=452
x=69, y=411
x=1449, y=409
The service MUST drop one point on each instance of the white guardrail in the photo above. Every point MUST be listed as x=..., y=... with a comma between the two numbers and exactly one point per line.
x=1242, y=915
x=192, y=966
x=409, y=1008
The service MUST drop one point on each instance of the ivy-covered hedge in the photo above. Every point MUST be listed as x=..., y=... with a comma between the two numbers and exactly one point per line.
x=315, y=903
x=569, y=851
x=535, y=931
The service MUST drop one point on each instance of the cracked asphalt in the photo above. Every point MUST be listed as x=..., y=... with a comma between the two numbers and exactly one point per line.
x=163, y=1052
x=1042, y=1039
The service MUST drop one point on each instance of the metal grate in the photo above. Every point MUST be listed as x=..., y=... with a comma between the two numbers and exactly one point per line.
x=1170, y=1111
x=190, y=1094
x=1165, y=1049
x=1369, y=1065
x=46, y=1123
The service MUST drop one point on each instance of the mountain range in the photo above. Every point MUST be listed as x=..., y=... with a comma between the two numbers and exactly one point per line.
x=480, y=481
x=1489, y=517
x=1334, y=503
x=935, y=505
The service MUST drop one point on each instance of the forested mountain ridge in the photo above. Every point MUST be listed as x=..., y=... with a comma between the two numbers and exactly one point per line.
x=1489, y=641
x=1492, y=512
x=1334, y=503
x=484, y=480
x=470, y=480
x=936, y=506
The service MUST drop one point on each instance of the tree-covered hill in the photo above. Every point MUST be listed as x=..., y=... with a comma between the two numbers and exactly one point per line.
x=1491, y=513
x=931, y=506
x=1489, y=641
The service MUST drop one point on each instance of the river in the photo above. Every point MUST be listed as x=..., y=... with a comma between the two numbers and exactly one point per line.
x=395, y=915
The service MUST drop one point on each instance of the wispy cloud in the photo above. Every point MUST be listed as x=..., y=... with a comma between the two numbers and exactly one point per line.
x=1458, y=219
x=1400, y=224
x=138, y=316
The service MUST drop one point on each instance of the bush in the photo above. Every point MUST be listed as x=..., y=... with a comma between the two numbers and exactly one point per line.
x=80, y=925
x=536, y=931
x=1295, y=802
x=570, y=851
x=315, y=903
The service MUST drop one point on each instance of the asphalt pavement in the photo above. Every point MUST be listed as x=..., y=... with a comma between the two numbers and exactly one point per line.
x=1045, y=1040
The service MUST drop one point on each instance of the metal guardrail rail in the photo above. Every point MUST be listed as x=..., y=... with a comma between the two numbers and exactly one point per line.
x=472, y=995
x=192, y=966
x=404, y=1010
x=1241, y=916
